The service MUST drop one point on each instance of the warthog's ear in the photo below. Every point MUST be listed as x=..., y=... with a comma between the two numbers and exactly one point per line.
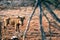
x=21, y=19
x=7, y=21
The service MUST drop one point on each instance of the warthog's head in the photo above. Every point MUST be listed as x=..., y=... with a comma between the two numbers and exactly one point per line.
x=21, y=19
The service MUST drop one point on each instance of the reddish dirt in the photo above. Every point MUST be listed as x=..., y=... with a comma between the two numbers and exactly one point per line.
x=34, y=28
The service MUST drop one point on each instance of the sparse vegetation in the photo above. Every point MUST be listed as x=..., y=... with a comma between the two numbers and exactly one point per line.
x=41, y=4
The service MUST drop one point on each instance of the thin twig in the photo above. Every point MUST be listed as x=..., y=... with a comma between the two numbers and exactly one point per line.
x=51, y=12
x=49, y=25
x=40, y=20
x=28, y=23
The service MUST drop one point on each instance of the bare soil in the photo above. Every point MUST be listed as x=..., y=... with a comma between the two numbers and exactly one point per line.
x=34, y=28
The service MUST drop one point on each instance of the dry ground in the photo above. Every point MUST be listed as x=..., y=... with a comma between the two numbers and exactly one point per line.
x=34, y=31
